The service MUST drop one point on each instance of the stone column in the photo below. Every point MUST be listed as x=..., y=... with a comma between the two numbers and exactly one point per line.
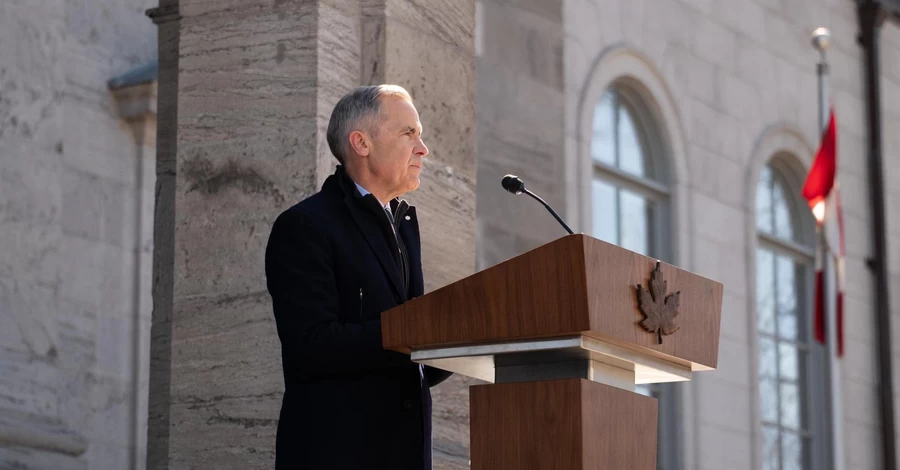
x=246, y=89
x=429, y=48
x=167, y=19
x=137, y=107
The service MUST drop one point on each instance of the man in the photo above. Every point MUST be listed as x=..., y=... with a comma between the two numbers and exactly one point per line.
x=334, y=262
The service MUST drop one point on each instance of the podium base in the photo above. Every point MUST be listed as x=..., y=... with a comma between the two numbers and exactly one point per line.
x=564, y=424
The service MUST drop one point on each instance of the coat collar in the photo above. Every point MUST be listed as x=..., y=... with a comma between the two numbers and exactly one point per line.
x=348, y=186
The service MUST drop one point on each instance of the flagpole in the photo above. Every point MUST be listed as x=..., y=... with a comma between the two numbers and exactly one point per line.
x=821, y=39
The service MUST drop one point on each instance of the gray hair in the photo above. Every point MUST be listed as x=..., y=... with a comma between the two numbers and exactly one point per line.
x=357, y=111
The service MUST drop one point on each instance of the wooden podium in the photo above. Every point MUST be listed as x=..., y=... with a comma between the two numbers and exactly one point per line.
x=560, y=335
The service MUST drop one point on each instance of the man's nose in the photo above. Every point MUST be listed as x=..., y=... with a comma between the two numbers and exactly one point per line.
x=421, y=150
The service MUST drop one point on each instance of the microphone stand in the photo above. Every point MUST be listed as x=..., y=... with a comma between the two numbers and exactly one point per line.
x=549, y=209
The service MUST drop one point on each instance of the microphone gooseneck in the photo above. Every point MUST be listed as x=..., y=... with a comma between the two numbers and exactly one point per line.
x=515, y=185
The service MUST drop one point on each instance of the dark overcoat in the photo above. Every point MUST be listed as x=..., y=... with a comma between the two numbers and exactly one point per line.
x=333, y=265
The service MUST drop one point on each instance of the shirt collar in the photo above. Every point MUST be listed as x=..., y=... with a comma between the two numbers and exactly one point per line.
x=364, y=192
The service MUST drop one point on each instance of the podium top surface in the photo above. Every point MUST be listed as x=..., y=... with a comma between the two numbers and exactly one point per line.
x=575, y=285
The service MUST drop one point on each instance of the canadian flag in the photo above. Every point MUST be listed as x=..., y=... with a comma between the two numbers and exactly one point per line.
x=822, y=192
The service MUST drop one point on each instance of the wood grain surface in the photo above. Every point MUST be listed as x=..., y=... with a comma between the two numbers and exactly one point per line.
x=539, y=293
x=561, y=424
x=613, y=274
x=571, y=286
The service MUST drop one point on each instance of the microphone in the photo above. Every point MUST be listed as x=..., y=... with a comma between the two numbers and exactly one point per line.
x=515, y=185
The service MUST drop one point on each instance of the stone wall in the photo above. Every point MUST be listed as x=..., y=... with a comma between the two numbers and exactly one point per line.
x=74, y=245
x=520, y=125
x=741, y=77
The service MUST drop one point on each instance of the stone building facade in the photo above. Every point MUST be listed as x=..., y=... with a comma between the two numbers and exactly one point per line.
x=678, y=128
x=717, y=97
x=76, y=219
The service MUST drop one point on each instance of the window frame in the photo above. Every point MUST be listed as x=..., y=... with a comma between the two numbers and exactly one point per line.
x=655, y=188
x=800, y=250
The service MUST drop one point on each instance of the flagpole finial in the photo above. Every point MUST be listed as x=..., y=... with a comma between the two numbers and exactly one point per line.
x=821, y=39
x=818, y=210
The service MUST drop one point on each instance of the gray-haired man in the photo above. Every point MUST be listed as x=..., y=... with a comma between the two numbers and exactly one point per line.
x=334, y=262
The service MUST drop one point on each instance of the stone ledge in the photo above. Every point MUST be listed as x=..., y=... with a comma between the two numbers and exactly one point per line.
x=39, y=432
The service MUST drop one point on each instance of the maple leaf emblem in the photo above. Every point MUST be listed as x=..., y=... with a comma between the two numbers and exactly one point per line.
x=659, y=310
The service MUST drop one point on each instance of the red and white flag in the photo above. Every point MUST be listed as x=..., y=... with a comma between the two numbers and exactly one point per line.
x=822, y=192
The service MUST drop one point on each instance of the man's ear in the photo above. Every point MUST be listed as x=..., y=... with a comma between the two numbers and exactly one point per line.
x=360, y=143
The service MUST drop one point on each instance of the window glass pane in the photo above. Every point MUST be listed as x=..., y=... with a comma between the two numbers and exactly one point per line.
x=787, y=297
x=765, y=291
x=603, y=145
x=787, y=324
x=783, y=224
x=768, y=358
x=631, y=154
x=768, y=400
x=770, y=456
x=791, y=451
x=790, y=406
x=788, y=357
x=780, y=294
x=605, y=221
x=636, y=216
x=764, y=201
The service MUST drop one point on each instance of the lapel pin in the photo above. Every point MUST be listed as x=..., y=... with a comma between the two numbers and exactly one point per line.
x=407, y=217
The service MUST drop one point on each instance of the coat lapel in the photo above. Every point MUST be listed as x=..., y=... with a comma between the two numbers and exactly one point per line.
x=372, y=233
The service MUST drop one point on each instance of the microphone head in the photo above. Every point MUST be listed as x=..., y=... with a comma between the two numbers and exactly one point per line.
x=513, y=184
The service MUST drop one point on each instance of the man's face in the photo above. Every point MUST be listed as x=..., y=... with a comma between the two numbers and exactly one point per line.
x=395, y=159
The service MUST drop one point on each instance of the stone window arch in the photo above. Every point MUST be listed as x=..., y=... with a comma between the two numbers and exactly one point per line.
x=635, y=83
x=629, y=182
x=786, y=361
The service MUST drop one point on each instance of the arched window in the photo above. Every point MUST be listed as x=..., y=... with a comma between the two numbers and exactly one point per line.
x=629, y=207
x=787, y=357
x=628, y=189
